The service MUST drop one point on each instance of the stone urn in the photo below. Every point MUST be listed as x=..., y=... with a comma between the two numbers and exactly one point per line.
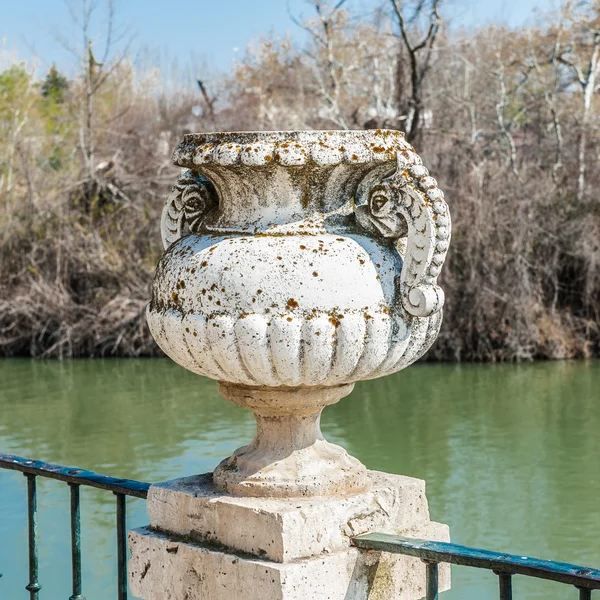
x=295, y=264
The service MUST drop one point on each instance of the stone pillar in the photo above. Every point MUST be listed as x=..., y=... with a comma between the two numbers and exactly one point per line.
x=203, y=544
x=295, y=264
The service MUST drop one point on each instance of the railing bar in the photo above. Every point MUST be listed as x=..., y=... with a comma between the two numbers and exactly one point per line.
x=444, y=552
x=121, y=547
x=432, y=581
x=585, y=594
x=130, y=487
x=76, y=542
x=505, y=585
x=33, y=587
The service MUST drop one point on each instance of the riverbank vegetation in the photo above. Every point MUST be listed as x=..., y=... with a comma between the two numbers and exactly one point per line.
x=506, y=120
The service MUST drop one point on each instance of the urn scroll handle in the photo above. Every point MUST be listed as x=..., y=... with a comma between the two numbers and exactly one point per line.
x=408, y=204
x=192, y=198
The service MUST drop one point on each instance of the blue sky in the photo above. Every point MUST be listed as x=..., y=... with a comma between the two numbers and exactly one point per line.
x=205, y=31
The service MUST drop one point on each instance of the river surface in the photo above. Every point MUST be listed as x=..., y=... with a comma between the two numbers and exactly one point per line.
x=510, y=453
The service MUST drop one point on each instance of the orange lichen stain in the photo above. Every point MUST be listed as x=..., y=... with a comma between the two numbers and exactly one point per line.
x=361, y=261
x=280, y=258
x=291, y=303
x=354, y=157
x=244, y=315
x=367, y=317
x=315, y=274
x=268, y=158
x=334, y=322
x=340, y=240
x=317, y=333
x=204, y=263
x=289, y=319
x=302, y=247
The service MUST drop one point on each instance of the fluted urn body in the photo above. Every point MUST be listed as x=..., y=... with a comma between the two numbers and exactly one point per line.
x=297, y=263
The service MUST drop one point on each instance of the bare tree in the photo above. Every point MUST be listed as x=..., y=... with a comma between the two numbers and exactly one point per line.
x=94, y=73
x=549, y=75
x=419, y=55
x=581, y=54
x=329, y=71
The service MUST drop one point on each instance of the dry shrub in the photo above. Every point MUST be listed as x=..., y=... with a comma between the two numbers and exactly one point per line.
x=502, y=127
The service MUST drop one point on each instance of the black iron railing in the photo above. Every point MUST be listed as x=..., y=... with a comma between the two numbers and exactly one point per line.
x=75, y=478
x=432, y=553
x=503, y=565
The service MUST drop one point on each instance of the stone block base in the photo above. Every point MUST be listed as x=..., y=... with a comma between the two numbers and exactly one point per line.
x=203, y=544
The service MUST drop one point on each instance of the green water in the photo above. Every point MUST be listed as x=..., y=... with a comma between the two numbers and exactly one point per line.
x=511, y=456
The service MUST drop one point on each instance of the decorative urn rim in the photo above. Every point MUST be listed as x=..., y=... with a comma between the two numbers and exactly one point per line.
x=292, y=148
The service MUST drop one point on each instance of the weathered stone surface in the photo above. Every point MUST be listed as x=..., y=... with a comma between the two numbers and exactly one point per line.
x=279, y=251
x=282, y=530
x=289, y=456
x=204, y=544
x=165, y=569
x=296, y=264
x=298, y=261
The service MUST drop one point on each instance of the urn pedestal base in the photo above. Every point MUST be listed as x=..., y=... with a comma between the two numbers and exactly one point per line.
x=289, y=456
x=204, y=544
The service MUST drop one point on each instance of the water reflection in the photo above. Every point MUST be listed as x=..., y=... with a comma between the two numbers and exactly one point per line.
x=510, y=454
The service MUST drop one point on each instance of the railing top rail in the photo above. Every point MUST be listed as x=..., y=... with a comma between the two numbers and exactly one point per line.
x=129, y=487
x=581, y=577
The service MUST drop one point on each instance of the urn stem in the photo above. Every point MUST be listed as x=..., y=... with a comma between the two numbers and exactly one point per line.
x=289, y=456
